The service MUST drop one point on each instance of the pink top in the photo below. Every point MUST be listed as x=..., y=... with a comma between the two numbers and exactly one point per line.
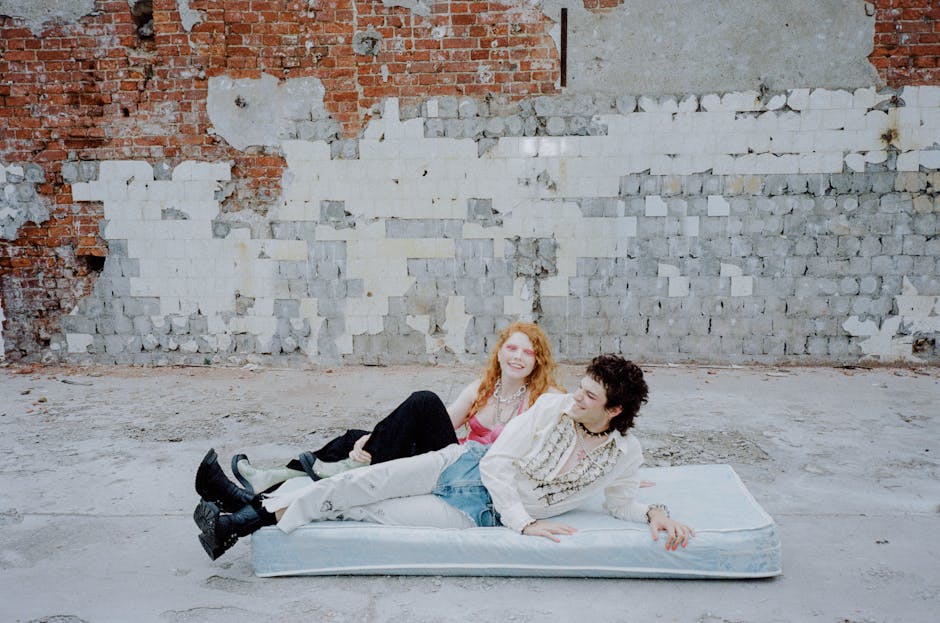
x=482, y=434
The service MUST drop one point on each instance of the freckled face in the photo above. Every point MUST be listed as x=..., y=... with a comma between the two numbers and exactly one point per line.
x=517, y=356
x=589, y=401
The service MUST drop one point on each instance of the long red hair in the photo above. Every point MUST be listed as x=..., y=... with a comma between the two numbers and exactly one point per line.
x=543, y=374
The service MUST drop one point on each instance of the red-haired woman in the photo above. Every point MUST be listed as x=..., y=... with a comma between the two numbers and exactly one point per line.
x=520, y=369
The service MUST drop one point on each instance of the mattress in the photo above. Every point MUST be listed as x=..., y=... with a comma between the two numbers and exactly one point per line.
x=735, y=538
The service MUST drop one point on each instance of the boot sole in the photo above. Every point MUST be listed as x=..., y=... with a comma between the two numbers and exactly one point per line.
x=206, y=515
x=210, y=546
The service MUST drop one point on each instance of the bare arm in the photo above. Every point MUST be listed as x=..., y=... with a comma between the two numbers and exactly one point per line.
x=459, y=410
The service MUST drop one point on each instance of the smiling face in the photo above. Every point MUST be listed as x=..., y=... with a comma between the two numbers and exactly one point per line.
x=589, y=409
x=517, y=357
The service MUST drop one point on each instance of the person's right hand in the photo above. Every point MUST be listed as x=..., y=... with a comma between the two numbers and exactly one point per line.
x=548, y=529
x=357, y=453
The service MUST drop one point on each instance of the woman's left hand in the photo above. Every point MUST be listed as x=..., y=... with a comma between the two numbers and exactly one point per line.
x=357, y=453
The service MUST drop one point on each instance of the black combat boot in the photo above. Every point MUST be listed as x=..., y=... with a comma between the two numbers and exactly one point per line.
x=220, y=532
x=213, y=485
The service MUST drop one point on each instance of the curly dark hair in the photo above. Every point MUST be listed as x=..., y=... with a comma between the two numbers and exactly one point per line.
x=624, y=385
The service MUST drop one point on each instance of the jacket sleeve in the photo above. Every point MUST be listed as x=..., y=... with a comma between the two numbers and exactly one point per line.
x=499, y=469
x=620, y=493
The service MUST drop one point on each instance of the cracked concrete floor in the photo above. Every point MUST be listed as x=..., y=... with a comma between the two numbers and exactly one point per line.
x=96, y=495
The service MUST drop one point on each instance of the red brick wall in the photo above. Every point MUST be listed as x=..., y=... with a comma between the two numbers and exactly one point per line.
x=290, y=39
x=907, y=42
x=45, y=272
x=95, y=90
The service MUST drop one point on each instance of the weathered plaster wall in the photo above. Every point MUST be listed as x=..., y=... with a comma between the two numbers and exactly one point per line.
x=652, y=47
x=260, y=112
x=753, y=216
x=19, y=202
x=37, y=14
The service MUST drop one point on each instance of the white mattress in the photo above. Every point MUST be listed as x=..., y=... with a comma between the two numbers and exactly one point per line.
x=735, y=538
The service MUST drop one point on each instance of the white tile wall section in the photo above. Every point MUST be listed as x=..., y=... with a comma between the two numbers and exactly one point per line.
x=930, y=159
x=83, y=191
x=205, y=171
x=855, y=162
x=678, y=286
x=556, y=286
x=520, y=303
x=655, y=206
x=401, y=174
x=78, y=342
x=455, y=324
x=916, y=311
x=690, y=226
x=2, y=349
x=420, y=323
x=127, y=171
x=667, y=270
x=718, y=206
x=742, y=285
x=909, y=161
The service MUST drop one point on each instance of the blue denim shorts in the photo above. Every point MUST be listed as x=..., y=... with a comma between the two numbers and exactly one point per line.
x=460, y=486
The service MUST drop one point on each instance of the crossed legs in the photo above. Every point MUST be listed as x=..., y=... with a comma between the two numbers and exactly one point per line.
x=362, y=492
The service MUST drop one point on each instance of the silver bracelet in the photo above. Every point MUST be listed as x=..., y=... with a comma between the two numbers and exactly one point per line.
x=659, y=507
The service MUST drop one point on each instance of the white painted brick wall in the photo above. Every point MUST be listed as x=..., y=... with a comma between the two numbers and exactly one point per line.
x=400, y=174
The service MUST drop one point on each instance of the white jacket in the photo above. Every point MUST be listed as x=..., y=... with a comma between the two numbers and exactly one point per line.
x=514, y=494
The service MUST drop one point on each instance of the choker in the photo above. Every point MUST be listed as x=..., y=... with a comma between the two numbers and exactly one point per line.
x=592, y=434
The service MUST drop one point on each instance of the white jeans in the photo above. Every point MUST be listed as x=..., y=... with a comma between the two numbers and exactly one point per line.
x=394, y=493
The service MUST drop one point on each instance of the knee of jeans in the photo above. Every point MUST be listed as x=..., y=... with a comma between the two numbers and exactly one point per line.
x=423, y=396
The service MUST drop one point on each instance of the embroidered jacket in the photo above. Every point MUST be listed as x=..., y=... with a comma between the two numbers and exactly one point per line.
x=521, y=469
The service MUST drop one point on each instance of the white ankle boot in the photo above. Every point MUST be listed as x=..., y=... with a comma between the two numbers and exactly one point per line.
x=258, y=480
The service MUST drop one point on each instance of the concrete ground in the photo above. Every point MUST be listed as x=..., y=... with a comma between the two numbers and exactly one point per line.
x=96, y=495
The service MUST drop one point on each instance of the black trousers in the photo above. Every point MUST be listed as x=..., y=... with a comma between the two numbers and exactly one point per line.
x=420, y=424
